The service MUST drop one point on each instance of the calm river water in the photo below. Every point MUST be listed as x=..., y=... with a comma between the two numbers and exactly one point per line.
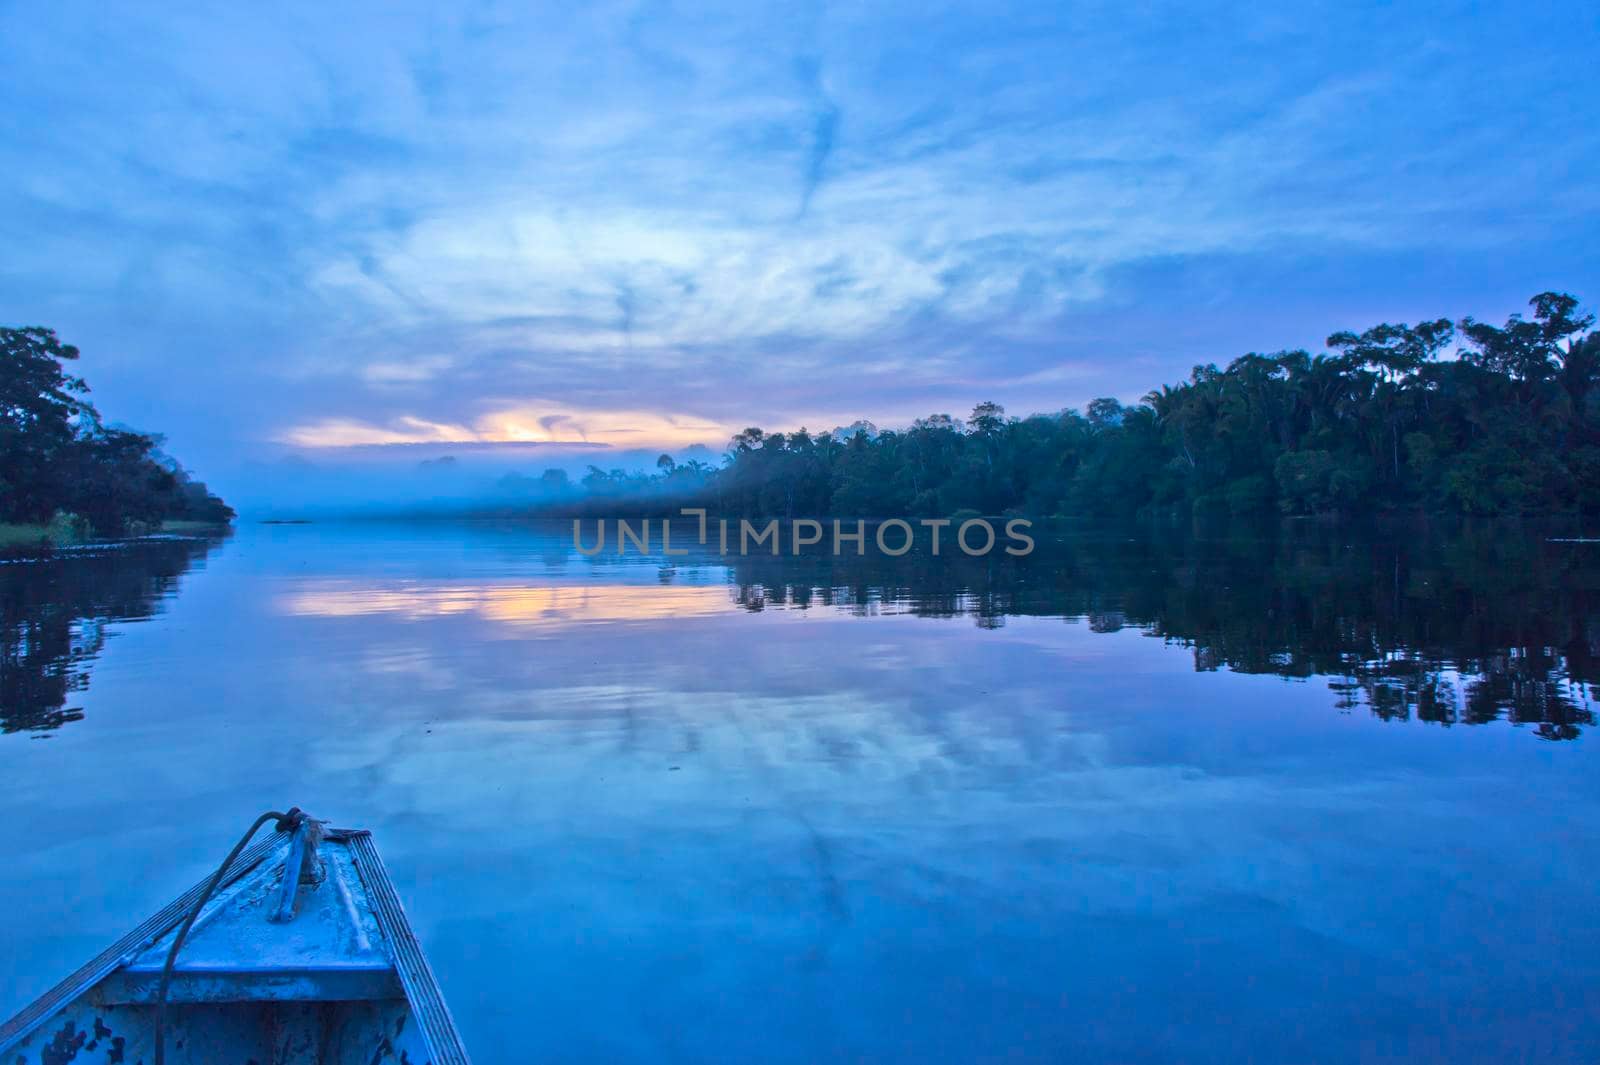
x=1304, y=795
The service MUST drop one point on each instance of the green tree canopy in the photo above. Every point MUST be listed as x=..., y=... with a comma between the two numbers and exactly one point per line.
x=57, y=455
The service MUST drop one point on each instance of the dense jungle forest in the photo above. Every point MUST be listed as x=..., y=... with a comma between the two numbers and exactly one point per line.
x=1459, y=417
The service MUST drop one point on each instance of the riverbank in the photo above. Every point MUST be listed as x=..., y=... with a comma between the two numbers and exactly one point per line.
x=12, y=535
x=55, y=534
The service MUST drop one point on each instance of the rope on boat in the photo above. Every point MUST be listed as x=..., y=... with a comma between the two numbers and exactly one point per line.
x=285, y=823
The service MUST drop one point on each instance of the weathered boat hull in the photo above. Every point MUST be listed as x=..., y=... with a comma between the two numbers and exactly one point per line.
x=341, y=982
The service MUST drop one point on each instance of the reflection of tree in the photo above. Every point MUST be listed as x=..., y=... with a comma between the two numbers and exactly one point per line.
x=1461, y=624
x=53, y=615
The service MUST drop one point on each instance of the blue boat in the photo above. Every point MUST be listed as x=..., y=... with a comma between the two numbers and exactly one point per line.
x=296, y=951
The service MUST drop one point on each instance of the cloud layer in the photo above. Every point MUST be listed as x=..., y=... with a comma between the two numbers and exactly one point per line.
x=415, y=225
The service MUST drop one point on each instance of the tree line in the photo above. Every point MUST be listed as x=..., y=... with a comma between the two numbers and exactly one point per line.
x=61, y=464
x=1386, y=419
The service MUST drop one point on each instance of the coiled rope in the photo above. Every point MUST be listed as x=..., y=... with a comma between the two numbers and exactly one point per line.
x=286, y=823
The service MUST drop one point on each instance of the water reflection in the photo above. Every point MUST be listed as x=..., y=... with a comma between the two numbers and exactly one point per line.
x=509, y=603
x=1455, y=624
x=646, y=810
x=54, y=617
x=1461, y=624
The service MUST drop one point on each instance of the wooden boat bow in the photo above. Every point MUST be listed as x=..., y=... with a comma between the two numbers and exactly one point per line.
x=302, y=954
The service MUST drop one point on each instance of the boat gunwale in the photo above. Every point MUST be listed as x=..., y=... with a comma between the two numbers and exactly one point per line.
x=427, y=1002
x=126, y=949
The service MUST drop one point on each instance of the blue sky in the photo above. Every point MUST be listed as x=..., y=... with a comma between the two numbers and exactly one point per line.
x=285, y=228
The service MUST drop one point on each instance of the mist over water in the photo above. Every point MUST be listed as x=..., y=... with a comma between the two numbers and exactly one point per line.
x=1137, y=797
x=432, y=479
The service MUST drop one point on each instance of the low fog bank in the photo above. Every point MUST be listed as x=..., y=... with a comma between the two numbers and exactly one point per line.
x=442, y=480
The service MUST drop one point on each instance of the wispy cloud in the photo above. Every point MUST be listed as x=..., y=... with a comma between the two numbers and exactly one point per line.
x=351, y=432
x=824, y=128
x=404, y=223
x=524, y=423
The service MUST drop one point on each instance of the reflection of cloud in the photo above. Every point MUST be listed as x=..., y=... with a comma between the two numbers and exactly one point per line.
x=508, y=604
x=525, y=423
x=416, y=665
